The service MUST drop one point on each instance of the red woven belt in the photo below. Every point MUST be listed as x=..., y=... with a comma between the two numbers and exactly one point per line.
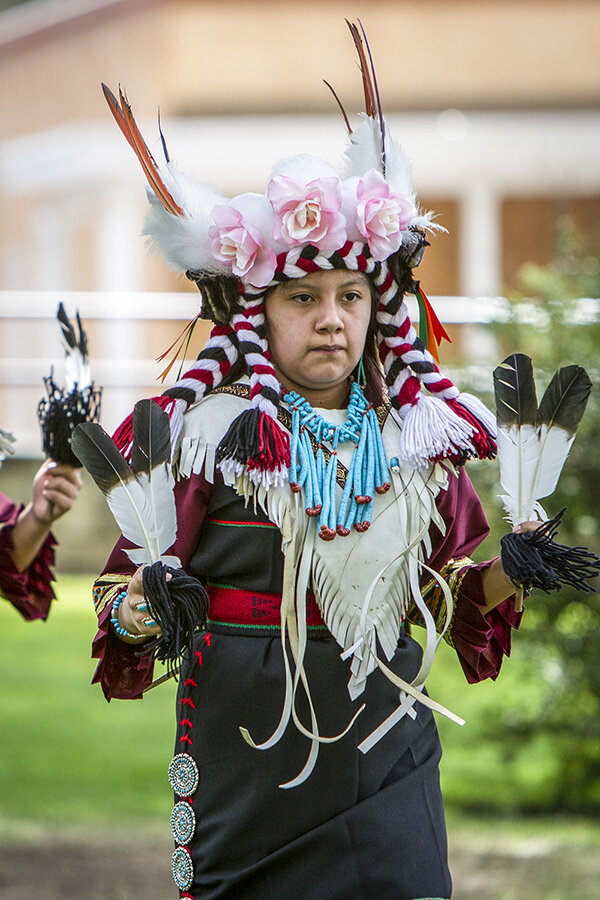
x=238, y=607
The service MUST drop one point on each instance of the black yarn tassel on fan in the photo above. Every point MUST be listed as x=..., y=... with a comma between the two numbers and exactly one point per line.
x=78, y=401
x=533, y=444
x=178, y=606
x=141, y=499
x=532, y=559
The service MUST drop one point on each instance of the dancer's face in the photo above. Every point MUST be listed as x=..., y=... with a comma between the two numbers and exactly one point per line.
x=316, y=329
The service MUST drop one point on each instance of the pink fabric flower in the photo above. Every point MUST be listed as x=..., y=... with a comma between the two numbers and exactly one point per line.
x=381, y=216
x=309, y=214
x=238, y=244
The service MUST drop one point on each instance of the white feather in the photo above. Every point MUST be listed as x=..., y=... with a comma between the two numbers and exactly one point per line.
x=518, y=454
x=398, y=169
x=77, y=370
x=144, y=510
x=303, y=169
x=364, y=153
x=531, y=460
x=554, y=444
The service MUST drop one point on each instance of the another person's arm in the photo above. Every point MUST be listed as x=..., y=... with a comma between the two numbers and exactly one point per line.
x=27, y=544
x=55, y=489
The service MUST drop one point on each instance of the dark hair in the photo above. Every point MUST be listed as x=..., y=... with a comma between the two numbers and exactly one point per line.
x=374, y=377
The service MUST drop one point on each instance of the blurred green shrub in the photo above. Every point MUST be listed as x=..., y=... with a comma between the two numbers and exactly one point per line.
x=558, y=704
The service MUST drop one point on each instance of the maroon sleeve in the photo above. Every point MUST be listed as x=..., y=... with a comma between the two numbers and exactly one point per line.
x=121, y=672
x=30, y=592
x=481, y=640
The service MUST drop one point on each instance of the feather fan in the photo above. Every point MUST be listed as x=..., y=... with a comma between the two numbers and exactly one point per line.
x=77, y=363
x=142, y=501
x=533, y=444
x=76, y=402
x=139, y=496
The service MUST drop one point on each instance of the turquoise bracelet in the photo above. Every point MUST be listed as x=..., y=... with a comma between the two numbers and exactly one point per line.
x=114, y=619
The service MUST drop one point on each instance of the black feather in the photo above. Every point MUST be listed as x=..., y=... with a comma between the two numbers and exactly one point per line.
x=162, y=140
x=82, y=342
x=97, y=452
x=151, y=437
x=565, y=399
x=73, y=339
x=67, y=329
x=514, y=387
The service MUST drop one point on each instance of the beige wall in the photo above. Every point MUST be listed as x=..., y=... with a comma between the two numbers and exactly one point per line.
x=233, y=55
x=193, y=57
x=432, y=54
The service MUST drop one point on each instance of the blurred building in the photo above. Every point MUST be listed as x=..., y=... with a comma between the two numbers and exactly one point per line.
x=496, y=102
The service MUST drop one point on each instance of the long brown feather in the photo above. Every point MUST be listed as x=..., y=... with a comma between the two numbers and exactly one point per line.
x=370, y=87
x=126, y=122
x=370, y=95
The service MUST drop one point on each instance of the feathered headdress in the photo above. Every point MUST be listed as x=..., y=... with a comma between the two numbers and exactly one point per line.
x=309, y=218
x=77, y=401
x=533, y=444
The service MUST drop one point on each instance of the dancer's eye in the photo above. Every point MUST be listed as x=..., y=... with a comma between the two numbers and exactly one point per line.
x=302, y=298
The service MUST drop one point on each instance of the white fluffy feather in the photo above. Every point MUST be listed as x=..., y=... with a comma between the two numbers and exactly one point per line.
x=364, y=153
x=183, y=240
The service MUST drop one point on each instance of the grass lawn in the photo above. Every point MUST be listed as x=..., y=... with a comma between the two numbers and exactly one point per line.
x=73, y=766
x=66, y=755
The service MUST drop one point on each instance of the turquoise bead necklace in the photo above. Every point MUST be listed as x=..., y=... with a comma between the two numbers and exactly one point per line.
x=309, y=471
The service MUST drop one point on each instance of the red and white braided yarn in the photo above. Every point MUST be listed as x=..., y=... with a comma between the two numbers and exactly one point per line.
x=247, y=325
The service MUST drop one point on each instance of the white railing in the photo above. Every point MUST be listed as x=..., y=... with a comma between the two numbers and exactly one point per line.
x=124, y=326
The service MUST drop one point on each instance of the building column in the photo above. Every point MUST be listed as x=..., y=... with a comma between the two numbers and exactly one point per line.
x=480, y=242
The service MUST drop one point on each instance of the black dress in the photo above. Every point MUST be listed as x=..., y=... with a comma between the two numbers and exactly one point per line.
x=362, y=825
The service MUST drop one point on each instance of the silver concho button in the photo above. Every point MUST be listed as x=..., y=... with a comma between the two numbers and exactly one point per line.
x=183, y=822
x=183, y=774
x=182, y=868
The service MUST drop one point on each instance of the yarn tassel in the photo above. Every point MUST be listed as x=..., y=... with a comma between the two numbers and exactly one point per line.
x=432, y=430
x=257, y=443
x=483, y=445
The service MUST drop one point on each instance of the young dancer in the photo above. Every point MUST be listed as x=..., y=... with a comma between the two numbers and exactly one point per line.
x=323, y=501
